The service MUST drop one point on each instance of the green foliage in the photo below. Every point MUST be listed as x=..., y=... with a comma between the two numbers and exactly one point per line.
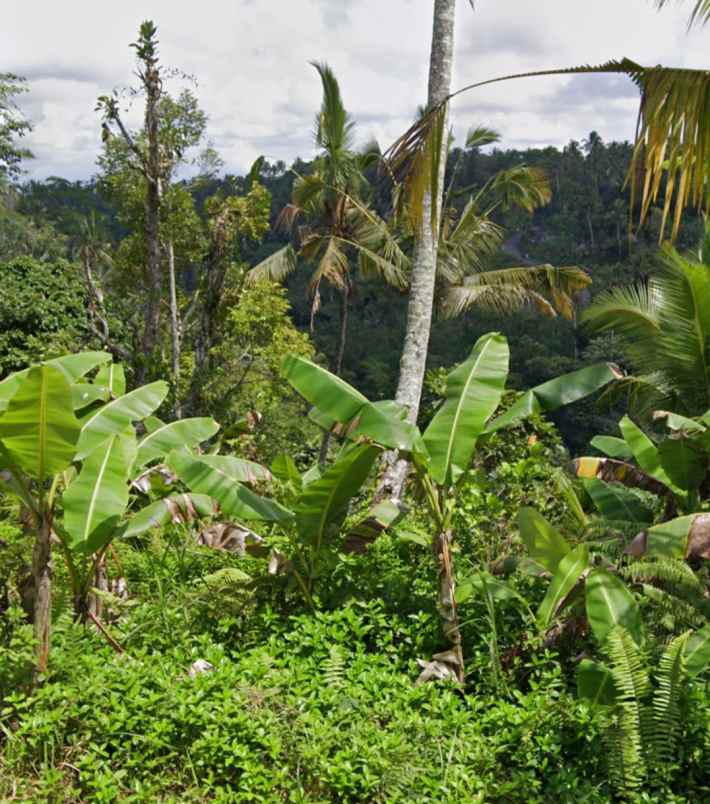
x=42, y=312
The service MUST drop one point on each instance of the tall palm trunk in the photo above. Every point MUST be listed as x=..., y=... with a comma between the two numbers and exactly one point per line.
x=337, y=365
x=421, y=294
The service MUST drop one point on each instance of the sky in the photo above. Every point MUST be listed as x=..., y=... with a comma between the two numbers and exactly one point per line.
x=251, y=62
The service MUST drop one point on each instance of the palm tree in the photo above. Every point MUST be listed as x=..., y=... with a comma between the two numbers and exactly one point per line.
x=663, y=329
x=337, y=224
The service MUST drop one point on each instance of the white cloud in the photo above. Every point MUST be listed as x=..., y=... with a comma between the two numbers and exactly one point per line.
x=251, y=61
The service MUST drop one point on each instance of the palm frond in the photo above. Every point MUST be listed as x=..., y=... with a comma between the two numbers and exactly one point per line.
x=629, y=311
x=521, y=186
x=480, y=136
x=334, y=126
x=274, y=268
x=332, y=267
x=672, y=141
x=699, y=15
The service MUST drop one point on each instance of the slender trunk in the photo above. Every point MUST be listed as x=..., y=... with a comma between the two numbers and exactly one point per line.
x=447, y=601
x=153, y=200
x=174, y=329
x=591, y=231
x=337, y=365
x=99, y=580
x=421, y=293
x=42, y=576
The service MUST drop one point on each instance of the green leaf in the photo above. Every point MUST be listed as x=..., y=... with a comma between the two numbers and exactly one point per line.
x=38, y=429
x=284, y=469
x=670, y=539
x=167, y=437
x=644, y=450
x=571, y=568
x=678, y=423
x=97, y=498
x=555, y=393
x=115, y=416
x=473, y=392
x=616, y=503
x=697, y=651
x=178, y=508
x=234, y=499
x=610, y=603
x=325, y=501
x=545, y=545
x=326, y=392
x=113, y=378
x=595, y=682
x=482, y=583
x=74, y=367
x=84, y=394
x=613, y=447
x=240, y=470
x=683, y=463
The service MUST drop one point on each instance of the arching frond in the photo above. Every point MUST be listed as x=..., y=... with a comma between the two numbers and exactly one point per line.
x=629, y=311
x=672, y=144
x=480, y=136
x=699, y=15
x=334, y=126
x=275, y=268
x=521, y=186
x=332, y=267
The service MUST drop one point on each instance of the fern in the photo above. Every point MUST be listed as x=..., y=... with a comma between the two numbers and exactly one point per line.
x=333, y=668
x=664, y=570
x=666, y=704
x=633, y=684
x=675, y=612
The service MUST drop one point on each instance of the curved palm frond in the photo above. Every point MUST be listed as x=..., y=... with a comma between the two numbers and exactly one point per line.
x=472, y=241
x=275, y=268
x=699, y=15
x=672, y=148
x=480, y=136
x=545, y=287
x=629, y=311
x=521, y=186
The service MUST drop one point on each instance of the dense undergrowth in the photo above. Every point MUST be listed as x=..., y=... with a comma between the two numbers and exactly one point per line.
x=317, y=706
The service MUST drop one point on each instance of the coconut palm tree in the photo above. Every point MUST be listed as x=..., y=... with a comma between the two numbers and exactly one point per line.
x=663, y=329
x=334, y=229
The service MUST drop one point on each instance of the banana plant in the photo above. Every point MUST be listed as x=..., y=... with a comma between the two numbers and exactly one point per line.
x=441, y=455
x=68, y=452
x=676, y=470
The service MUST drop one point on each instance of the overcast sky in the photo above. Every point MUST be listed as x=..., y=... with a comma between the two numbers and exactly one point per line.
x=250, y=58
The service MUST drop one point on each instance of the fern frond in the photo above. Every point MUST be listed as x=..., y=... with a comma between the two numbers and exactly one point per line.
x=671, y=680
x=633, y=685
x=664, y=570
x=676, y=613
x=333, y=668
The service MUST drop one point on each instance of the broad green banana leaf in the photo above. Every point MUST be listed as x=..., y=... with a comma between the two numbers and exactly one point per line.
x=697, y=651
x=38, y=429
x=644, y=450
x=112, y=377
x=544, y=543
x=609, y=603
x=233, y=498
x=238, y=469
x=558, y=392
x=98, y=497
x=74, y=367
x=326, y=392
x=167, y=437
x=612, y=447
x=483, y=583
x=678, y=423
x=684, y=463
x=595, y=683
x=473, y=392
x=617, y=503
x=570, y=569
x=325, y=501
x=178, y=508
x=113, y=417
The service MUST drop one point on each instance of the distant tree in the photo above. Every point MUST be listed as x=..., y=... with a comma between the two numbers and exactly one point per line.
x=13, y=126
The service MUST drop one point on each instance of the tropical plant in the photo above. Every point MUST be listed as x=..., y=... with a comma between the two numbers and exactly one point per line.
x=442, y=454
x=662, y=327
x=70, y=454
x=337, y=222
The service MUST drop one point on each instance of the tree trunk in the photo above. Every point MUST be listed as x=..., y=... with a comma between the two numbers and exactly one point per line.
x=174, y=329
x=421, y=293
x=337, y=365
x=42, y=577
x=153, y=200
x=447, y=601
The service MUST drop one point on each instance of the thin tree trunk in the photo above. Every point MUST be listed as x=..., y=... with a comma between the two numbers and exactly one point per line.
x=421, y=293
x=337, y=366
x=447, y=601
x=174, y=329
x=591, y=231
x=42, y=577
x=153, y=200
